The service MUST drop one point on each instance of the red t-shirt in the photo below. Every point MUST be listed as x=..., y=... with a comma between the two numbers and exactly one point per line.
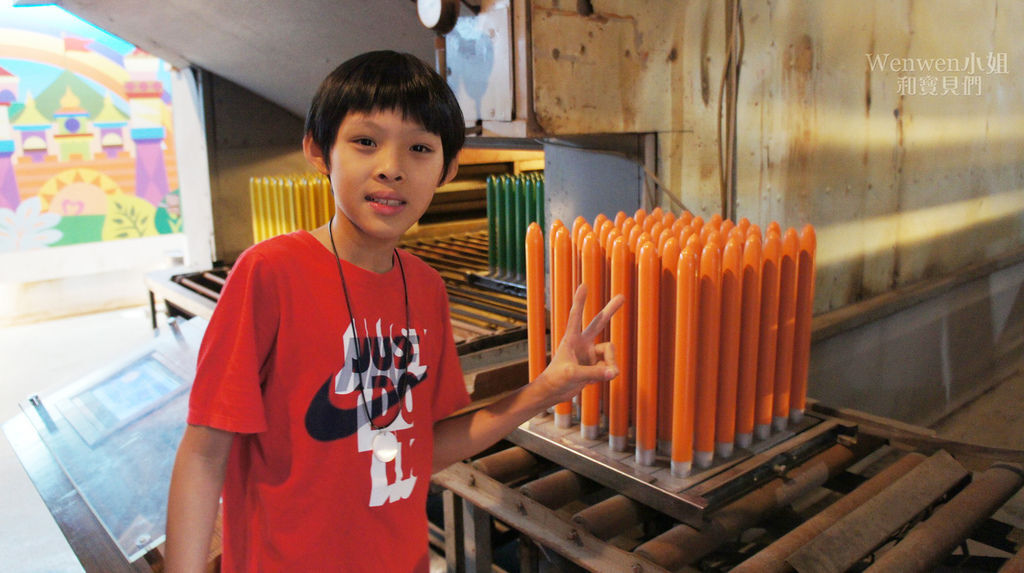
x=278, y=366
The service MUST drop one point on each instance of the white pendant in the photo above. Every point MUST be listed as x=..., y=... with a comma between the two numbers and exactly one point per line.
x=385, y=446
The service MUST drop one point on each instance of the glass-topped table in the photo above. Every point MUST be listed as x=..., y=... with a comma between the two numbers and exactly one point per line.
x=113, y=434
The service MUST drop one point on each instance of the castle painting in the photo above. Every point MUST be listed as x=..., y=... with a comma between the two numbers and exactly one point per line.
x=86, y=138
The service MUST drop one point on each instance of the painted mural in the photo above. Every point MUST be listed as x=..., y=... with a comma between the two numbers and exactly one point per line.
x=86, y=140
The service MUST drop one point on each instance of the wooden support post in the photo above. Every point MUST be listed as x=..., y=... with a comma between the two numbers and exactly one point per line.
x=453, y=532
x=478, y=551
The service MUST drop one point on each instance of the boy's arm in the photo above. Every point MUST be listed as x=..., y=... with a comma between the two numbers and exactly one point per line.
x=578, y=361
x=194, y=498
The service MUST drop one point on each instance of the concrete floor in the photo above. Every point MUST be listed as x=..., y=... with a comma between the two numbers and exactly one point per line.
x=42, y=357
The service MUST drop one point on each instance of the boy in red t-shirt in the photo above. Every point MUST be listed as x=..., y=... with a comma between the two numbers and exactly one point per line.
x=328, y=368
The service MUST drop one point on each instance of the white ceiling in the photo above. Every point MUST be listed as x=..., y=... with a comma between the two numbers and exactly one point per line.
x=279, y=49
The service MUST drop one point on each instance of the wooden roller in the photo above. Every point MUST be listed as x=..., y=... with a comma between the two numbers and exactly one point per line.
x=558, y=488
x=859, y=532
x=772, y=559
x=683, y=544
x=929, y=542
x=507, y=465
x=613, y=516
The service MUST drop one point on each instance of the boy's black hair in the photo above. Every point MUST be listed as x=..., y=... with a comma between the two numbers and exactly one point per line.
x=387, y=80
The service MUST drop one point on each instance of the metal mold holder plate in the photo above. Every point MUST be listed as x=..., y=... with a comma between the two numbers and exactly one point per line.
x=685, y=499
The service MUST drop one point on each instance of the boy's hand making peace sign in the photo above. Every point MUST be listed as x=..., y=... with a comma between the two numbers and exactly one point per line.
x=578, y=360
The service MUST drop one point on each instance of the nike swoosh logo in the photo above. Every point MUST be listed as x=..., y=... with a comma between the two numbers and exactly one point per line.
x=326, y=422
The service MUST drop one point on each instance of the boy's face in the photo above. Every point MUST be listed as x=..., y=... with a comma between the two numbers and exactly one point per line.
x=384, y=170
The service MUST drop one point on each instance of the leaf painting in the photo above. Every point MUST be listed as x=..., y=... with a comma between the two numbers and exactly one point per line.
x=128, y=217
